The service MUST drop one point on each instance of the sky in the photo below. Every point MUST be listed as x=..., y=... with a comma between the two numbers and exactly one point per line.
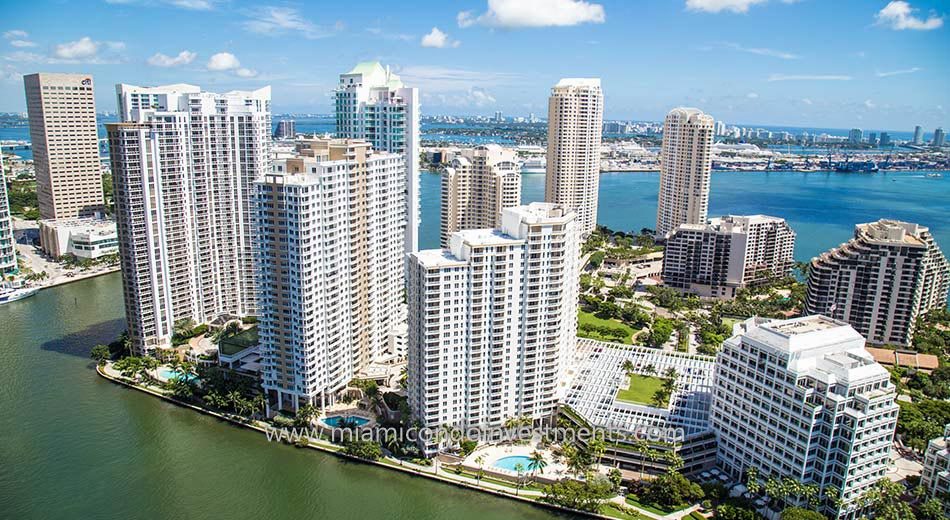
x=815, y=63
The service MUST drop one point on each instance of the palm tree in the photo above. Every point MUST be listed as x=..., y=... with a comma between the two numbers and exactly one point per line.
x=752, y=480
x=674, y=460
x=480, y=460
x=597, y=447
x=627, y=366
x=536, y=462
x=641, y=446
x=650, y=370
x=519, y=468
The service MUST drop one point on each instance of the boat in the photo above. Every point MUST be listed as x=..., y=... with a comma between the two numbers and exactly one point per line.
x=934, y=175
x=17, y=294
x=535, y=165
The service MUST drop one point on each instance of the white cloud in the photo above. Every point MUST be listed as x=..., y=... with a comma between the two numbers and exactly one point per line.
x=806, y=101
x=9, y=74
x=227, y=62
x=79, y=49
x=273, y=20
x=897, y=72
x=13, y=34
x=809, y=77
x=716, y=6
x=752, y=95
x=473, y=97
x=22, y=43
x=438, y=39
x=869, y=104
x=223, y=61
x=762, y=51
x=191, y=5
x=899, y=15
x=162, y=60
x=512, y=14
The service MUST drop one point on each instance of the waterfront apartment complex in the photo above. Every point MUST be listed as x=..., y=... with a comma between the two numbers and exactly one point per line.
x=183, y=164
x=575, y=121
x=802, y=398
x=330, y=267
x=65, y=141
x=685, y=169
x=373, y=104
x=880, y=281
x=8, y=262
x=493, y=320
x=935, y=477
x=726, y=254
x=478, y=184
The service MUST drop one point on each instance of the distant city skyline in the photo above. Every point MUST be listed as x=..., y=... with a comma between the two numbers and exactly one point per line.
x=856, y=63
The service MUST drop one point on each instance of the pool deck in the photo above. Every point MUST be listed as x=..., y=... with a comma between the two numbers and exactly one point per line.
x=493, y=452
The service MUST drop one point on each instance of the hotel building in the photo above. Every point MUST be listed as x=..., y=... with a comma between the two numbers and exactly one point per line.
x=183, y=164
x=685, y=168
x=479, y=183
x=720, y=257
x=330, y=267
x=373, y=104
x=65, y=140
x=575, y=120
x=802, y=398
x=880, y=281
x=493, y=320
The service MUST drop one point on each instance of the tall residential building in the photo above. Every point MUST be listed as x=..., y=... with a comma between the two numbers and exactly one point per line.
x=727, y=254
x=855, y=136
x=373, y=104
x=685, y=169
x=880, y=281
x=286, y=129
x=493, y=320
x=885, y=139
x=802, y=398
x=478, y=184
x=575, y=120
x=65, y=140
x=935, y=477
x=918, y=135
x=183, y=163
x=940, y=138
x=330, y=267
x=7, y=243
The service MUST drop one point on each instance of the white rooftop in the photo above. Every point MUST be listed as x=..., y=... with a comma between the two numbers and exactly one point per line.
x=437, y=258
x=579, y=82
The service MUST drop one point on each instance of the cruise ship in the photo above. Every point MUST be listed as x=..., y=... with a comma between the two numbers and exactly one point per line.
x=534, y=165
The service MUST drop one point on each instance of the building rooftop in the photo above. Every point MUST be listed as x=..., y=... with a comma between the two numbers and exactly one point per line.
x=891, y=232
x=480, y=237
x=430, y=258
x=579, y=82
x=904, y=358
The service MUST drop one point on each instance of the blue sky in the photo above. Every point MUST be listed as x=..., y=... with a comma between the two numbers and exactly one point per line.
x=820, y=63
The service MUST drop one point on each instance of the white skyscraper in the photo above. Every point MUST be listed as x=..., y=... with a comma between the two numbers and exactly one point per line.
x=493, y=320
x=330, y=267
x=373, y=104
x=479, y=183
x=575, y=121
x=802, y=398
x=685, y=168
x=7, y=245
x=183, y=164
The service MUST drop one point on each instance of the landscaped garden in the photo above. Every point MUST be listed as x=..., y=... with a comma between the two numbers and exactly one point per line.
x=232, y=344
x=642, y=390
x=592, y=327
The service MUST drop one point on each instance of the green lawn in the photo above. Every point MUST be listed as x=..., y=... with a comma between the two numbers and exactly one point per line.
x=729, y=322
x=589, y=319
x=641, y=390
x=653, y=508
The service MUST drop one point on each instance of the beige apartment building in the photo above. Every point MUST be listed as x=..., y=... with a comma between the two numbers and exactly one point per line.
x=575, y=120
x=880, y=281
x=685, y=169
x=62, y=114
x=479, y=183
x=330, y=256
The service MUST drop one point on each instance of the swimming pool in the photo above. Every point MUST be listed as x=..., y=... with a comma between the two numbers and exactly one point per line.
x=509, y=463
x=169, y=374
x=334, y=422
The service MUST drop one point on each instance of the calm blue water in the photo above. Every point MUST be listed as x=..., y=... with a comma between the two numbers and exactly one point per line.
x=334, y=421
x=821, y=207
x=170, y=374
x=509, y=463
